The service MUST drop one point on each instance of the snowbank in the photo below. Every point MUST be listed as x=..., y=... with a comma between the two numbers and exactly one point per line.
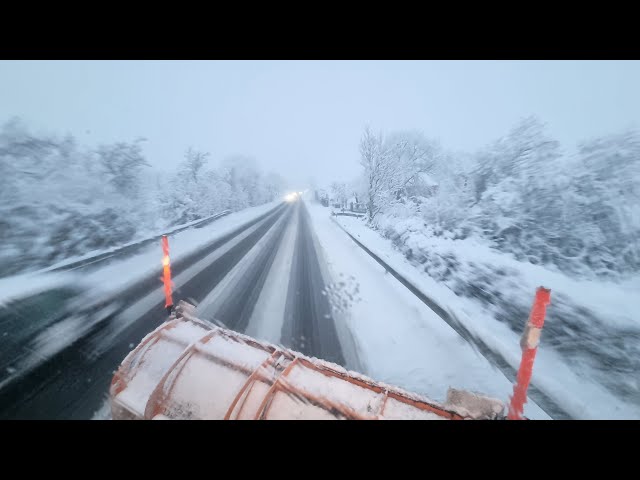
x=590, y=350
x=399, y=340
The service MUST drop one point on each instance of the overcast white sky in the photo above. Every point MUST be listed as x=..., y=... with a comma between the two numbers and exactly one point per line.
x=304, y=118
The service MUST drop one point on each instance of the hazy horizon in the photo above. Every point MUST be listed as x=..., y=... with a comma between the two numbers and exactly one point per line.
x=303, y=119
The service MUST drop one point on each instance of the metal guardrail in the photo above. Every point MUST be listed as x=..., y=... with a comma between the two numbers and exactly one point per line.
x=493, y=357
x=132, y=248
x=348, y=214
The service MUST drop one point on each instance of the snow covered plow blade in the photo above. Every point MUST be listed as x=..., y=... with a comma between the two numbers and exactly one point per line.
x=191, y=369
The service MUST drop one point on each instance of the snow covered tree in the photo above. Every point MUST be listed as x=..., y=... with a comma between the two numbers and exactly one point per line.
x=396, y=168
x=379, y=173
x=358, y=188
x=59, y=200
x=55, y=202
x=194, y=161
x=122, y=163
x=242, y=175
x=604, y=203
x=274, y=186
x=339, y=192
x=411, y=155
x=579, y=212
x=444, y=194
x=512, y=183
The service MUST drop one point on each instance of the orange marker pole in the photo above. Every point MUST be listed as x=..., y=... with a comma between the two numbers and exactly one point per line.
x=166, y=274
x=529, y=343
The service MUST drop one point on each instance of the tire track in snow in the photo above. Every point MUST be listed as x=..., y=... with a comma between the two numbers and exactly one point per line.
x=309, y=326
x=73, y=383
x=268, y=314
x=233, y=300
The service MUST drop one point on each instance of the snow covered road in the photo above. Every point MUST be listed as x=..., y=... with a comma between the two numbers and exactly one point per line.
x=263, y=276
x=284, y=273
x=73, y=381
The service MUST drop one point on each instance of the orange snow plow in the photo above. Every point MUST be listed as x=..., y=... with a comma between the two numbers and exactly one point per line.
x=190, y=369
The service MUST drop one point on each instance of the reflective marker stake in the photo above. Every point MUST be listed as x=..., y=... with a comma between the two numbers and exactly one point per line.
x=529, y=344
x=166, y=274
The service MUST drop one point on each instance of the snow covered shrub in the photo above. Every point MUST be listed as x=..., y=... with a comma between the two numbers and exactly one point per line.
x=577, y=213
x=59, y=200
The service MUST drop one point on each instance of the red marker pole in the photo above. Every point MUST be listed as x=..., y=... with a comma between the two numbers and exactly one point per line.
x=529, y=343
x=166, y=274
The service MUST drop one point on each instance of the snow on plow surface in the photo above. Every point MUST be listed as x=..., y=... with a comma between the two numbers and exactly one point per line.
x=190, y=369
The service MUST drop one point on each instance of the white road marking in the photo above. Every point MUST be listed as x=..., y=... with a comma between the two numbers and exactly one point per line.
x=268, y=315
x=151, y=300
x=225, y=288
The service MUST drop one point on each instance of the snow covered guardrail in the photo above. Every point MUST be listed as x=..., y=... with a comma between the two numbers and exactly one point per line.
x=128, y=248
x=347, y=214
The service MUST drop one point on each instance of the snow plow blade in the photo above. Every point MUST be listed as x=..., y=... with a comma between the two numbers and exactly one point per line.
x=190, y=369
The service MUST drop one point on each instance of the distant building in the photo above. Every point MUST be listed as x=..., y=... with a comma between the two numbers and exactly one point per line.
x=354, y=206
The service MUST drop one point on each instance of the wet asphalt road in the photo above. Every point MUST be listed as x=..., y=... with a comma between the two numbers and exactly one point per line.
x=74, y=383
x=309, y=327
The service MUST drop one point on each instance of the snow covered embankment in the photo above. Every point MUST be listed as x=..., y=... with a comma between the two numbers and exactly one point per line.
x=399, y=340
x=590, y=345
